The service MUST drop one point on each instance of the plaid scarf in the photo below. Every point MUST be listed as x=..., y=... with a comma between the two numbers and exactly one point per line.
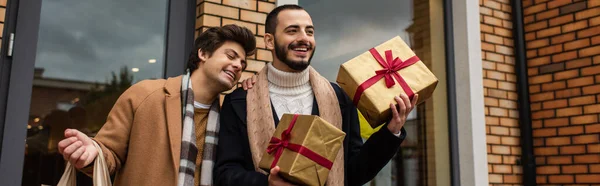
x=189, y=150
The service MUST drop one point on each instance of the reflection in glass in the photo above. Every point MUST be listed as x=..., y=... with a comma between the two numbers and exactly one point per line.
x=345, y=29
x=88, y=53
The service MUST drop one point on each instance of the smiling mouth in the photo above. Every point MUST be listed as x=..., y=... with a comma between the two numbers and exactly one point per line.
x=230, y=74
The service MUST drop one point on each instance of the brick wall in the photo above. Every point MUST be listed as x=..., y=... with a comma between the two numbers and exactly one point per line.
x=248, y=13
x=499, y=81
x=2, y=17
x=563, y=52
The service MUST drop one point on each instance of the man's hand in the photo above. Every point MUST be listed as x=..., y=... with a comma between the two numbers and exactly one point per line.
x=399, y=115
x=275, y=180
x=77, y=148
x=248, y=83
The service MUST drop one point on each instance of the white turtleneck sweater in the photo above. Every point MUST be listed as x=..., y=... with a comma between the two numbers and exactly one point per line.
x=290, y=92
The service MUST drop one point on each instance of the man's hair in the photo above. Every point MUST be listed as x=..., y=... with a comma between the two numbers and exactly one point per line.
x=213, y=38
x=271, y=22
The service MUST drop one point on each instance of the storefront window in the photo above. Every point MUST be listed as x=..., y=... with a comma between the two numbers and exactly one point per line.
x=345, y=29
x=88, y=53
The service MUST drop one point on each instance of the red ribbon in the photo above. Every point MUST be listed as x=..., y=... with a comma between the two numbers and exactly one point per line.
x=389, y=72
x=278, y=145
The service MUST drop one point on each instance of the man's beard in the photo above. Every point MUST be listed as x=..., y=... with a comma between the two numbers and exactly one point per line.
x=281, y=53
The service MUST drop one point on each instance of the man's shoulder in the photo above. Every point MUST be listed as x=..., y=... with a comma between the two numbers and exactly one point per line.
x=238, y=94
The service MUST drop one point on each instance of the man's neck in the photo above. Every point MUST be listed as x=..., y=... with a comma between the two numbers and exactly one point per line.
x=204, y=91
x=282, y=66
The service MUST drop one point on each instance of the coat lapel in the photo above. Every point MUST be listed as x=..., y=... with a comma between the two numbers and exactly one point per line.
x=173, y=114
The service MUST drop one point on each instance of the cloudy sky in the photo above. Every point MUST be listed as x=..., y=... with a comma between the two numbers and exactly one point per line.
x=88, y=39
x=345, y=29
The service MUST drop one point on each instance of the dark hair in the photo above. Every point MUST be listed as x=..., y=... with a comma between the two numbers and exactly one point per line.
x=213, y=38
x=271, y=22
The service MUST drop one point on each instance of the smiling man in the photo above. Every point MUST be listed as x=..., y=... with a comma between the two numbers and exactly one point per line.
x=164, y=132
x=290, y=85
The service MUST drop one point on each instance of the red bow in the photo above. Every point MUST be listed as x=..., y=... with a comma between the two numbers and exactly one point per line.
x=278, y=145
x=389, y=72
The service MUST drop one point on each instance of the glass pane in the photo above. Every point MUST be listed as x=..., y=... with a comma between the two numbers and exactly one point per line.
x=348, y=28
x=88, y=53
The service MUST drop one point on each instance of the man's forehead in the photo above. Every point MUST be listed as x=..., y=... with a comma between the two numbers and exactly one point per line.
x=294, y=17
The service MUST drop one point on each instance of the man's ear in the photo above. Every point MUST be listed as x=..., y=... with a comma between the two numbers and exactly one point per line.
x=269, y=41
x=202, y=55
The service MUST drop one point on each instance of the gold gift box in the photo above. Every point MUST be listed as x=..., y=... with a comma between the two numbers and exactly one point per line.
x=375, y=100
x=313, y=133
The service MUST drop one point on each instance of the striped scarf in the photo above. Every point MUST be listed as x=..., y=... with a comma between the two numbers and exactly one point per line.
x=189, y=150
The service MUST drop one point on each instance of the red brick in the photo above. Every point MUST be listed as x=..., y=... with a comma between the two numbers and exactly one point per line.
x=492, y=21
x=584, y=119
x=595, y=128
x=507, y=169
x=499, y=149
x=588, y=32
x=496, y=75
x=220, y=10
x=558, y=141
x=492, y=4
x=487, y=47
x=546, y=14
x=541, y=151
x=591, y=12
x=539, y=61
x=542, y=96
x=506, y=7
x=498, y=111
x=536, y=26
x=591, y=89
x=540, y=79
x=564, y=56
x=548, y=32
x=265, y=7
x=587, y=178
x=538, y=142
x=569, y=111
x=532, y=53
x=596, y=40
x=502, y=15
x=561, y=20
x=490, y=139
x=592, y=108
x=508, y=104
x=507, y=24
x=568, y=93
x=513, y=113
x=504, y=50
x=532, y=71
x=515, y=150
x=560, y=179
x=530, y=36
x=541, y=179
x=246, y=4
x=593, y=148
x=586, y=139
x=579, y=63
x=560, y=160
x=506, y=68
x=563, y=38
x=252, y=16
x=566, y=74
x=582, y=100
x=547, y=170
x=573, y=7
x=593, y=4
x=489, y=83
x=595, y=168
x=528, y=19
x=490, y=120
x=595, y=21
x=494, y=158
x=555, y=122
x=498, y=93
x=510, y=140
x=507, y=86
x=550, y=50
x=536, y=106
x=495, y=178
x=493, y=38
x=570, y=130
x=534, y=9
x=574, y=169
x=582, y=81
x=494, y=57
x=557, y=3
x=589, y=158
x=590, y=51
x=597, y=60
x=555, y=104
x=512, y=178
x=574, y=149
x=551, y=68
x=543, y=114
x=574, y=26
x=577, y=44
x=545, y=132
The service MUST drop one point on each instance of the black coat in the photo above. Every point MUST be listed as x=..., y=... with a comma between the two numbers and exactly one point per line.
x=362, y=161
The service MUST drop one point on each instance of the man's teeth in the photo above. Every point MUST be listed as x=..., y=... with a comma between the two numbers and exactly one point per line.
x=230, y=74
x=300, y=49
